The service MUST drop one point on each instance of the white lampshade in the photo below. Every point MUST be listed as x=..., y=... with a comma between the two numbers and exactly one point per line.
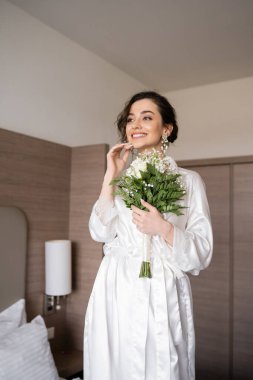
x=58, y=267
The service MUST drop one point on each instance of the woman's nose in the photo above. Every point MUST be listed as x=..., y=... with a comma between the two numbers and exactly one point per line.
x=137, y=124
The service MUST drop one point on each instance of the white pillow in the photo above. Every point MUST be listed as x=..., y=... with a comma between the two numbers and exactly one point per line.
x=25, y=353
x=12, y=317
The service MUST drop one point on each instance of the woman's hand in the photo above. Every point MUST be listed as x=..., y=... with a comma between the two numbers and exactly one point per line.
x=151, y=222
x=116, y=161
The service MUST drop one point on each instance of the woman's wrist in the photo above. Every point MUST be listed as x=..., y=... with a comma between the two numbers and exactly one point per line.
x=167, y=232
x=107, y=189
x=109, y=176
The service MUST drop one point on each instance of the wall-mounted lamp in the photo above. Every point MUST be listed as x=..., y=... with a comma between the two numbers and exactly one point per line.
x=57, y=273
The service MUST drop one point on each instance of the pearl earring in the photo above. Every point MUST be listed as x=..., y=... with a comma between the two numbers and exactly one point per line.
x=164, y=145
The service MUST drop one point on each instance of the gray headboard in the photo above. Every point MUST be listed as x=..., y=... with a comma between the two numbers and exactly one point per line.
x=13, y=249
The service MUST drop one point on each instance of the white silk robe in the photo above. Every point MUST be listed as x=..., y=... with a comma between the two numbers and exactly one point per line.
x=141, y=328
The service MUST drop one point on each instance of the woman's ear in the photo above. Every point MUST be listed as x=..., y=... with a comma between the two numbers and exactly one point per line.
x=168, y=129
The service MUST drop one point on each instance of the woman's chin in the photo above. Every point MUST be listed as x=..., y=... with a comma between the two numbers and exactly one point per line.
x=139, y=144
x=141, y=147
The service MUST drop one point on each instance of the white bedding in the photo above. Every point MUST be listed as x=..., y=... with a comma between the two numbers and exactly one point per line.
x=25, y=352
x=12, y=317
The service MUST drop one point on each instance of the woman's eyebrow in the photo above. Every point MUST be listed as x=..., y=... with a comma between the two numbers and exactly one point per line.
x=147, y=111
x=142, y=112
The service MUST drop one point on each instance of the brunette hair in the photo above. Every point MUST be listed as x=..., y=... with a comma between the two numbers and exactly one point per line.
x=166, y=110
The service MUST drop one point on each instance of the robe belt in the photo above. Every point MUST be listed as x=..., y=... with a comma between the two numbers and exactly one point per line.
x=167, y=265
x=135, y=252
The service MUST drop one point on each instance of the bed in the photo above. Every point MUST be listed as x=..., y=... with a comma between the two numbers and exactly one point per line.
x=24, y=348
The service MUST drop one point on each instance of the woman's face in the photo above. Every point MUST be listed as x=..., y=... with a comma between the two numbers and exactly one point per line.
x=145, y=127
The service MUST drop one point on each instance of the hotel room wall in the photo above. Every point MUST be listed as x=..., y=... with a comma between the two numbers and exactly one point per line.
x=222, y=294
x=59, y=90
x=214, y=120
x=35, y=177
x=55, y=186
x=87, y=171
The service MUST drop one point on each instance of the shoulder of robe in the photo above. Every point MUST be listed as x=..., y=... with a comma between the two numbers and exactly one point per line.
x=191, y=178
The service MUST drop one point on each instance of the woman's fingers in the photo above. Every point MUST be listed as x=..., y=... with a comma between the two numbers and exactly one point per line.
x=126, y=154
x=128, y=146
x=137, y=210
x=116, y=161
x=148, y=205
x=137, y=218
x=116, y=149
x=120, y=147
x=148, y=222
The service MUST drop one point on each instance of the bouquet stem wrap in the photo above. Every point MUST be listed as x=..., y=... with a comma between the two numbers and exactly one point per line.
x=146, y=254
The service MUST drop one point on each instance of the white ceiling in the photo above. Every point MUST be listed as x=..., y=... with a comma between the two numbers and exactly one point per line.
x=165, y=44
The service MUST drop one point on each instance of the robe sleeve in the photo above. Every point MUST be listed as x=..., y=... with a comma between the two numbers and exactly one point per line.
x=103, y=220
x=192, y=248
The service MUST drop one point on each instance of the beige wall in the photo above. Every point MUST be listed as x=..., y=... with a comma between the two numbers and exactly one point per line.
x=214, y=120
x=54, y=89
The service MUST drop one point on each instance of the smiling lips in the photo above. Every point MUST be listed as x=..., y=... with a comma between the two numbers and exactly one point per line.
x=138, y=135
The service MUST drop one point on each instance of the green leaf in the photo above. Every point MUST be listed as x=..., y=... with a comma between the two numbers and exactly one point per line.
x=164, y=195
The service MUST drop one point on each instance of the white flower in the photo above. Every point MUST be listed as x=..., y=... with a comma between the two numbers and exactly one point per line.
x=155, y=158
x=137, y=165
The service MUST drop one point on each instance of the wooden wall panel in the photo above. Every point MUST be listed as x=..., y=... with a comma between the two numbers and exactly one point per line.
x=243, y=272
x=87, y=172
x=211, y=289
x=40, y=178
x=35, y=176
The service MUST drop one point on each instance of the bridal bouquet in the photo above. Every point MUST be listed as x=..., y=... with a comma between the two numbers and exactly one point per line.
x=149, y=177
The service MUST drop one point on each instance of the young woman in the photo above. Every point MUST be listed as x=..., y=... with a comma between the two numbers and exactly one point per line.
x=141, y=328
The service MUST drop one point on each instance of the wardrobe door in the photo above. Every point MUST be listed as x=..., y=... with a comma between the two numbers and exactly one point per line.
x=243, y=272
x=211, y=289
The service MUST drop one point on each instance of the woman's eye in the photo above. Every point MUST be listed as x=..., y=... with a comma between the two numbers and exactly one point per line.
x=129, y=120
x=147, y=118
